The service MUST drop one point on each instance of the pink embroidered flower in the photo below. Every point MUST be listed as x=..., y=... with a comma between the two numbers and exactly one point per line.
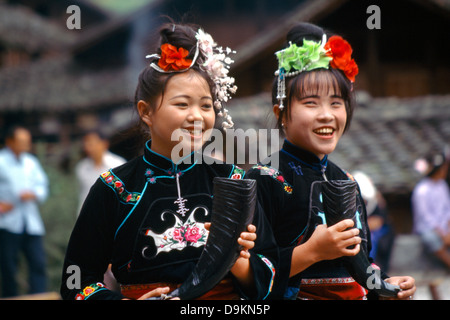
x=117, y=184
x=177, y=235
x=280, y=178
x=192, y=234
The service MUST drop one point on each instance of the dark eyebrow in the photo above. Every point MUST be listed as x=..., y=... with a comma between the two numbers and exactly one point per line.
x=310, y=96
x=317, y=96
x=189, y=97
x=180, y=96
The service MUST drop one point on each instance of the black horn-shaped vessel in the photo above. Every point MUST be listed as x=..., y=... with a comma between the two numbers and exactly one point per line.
x=232, y=211
x=333, y=201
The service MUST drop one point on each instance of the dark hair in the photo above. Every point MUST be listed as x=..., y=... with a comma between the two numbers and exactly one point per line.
x=331, y=79
x=101, y=134
x=435, y=159
x=152, y=83
x=10, y=132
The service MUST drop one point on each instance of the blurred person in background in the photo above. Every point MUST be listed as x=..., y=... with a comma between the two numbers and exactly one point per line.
x=98, y=160
x=381, y=232
x=431, y=205
x=23, y=186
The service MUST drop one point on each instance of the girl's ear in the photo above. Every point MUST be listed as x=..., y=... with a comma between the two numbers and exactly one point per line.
x=144, y=112
x=276, y=111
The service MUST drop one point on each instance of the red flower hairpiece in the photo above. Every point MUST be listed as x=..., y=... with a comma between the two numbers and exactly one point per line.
x=173, y=58
x=341, y=51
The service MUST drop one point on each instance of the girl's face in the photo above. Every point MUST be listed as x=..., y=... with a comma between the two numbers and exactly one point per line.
x=182, y=115
x=317, y=121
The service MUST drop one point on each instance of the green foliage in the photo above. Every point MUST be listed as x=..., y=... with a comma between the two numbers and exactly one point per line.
x=59, y=214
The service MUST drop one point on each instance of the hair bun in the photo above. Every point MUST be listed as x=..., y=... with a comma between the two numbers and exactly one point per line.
x=179, y=35
x=166, y=32
x=303, y=31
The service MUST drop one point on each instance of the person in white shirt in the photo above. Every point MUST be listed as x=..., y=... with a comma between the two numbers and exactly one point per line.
x=23, y=186
x=98, y=160
x=431, y=206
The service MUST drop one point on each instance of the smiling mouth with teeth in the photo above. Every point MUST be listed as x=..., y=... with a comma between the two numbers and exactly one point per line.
x=324, y=131
x=194, y=132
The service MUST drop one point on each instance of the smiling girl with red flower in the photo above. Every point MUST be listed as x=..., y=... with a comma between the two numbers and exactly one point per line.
x=313, y=103
x=149, y=217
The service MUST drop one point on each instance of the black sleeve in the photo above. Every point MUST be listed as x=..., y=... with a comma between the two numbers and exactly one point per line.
x=263, y=259
x=89, y=250
x=270, y=198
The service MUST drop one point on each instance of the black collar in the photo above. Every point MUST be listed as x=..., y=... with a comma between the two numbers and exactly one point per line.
x=162, y=163
x=304, y=157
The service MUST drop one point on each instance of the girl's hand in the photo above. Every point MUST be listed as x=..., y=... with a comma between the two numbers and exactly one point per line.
x=241, y=268
x=329, y=243
x=5, y=207
x=155, y=293
x=326, y=243
x=247, y=241
x=406, y=283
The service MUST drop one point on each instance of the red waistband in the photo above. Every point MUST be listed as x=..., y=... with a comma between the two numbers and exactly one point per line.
x=224, y=290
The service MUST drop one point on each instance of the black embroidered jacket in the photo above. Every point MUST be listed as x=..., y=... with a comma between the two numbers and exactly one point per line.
x=147, y=218
x=285, y=195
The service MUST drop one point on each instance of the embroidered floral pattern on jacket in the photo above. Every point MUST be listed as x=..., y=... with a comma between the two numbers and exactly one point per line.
x=181, y=235
x=276, y=175
x=89, y=290
x=349, y=175
x=118, y=186
x=319, y=281
x=272, y=270
x=237, y=173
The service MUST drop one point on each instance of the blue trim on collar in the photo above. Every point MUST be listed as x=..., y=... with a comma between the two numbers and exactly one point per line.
x=173, y=167
x=317, y=164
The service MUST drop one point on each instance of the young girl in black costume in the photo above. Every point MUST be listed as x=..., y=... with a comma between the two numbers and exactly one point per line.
x=149, y=217
x=313, y=104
